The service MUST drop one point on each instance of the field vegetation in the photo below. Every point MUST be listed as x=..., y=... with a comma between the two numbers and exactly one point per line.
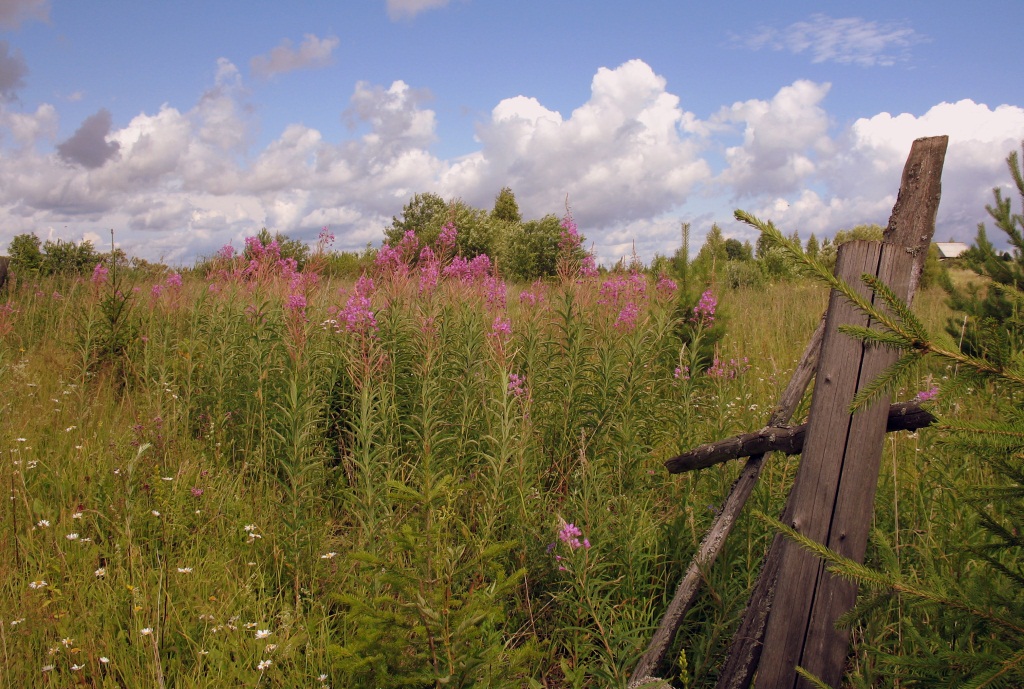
x=263, y=472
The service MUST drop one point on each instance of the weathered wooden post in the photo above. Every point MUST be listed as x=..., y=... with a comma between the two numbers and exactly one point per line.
x=909, y=233
x=911, y=227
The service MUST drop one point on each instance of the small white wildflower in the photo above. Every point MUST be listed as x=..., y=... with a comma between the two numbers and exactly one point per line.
x=70, y=428
x=156, y=513
x=270, y=648
x=68, y=642
x=328, y=556
x=166, y=478
x=15, y=623
x=76, y=668
x=43, y=523
x=184, y=570
x=322, y=677
x=72, y=537
x=104, y=659
x=264, y=664
x=204, y=653
x=101, y=572
x=262, y=633
x=48, y=668
x=76, y=515
x=146, y=631
x=22, y=440
x=40, y=584
x=249, y=528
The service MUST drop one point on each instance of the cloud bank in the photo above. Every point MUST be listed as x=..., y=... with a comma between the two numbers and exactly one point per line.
x=632, y=160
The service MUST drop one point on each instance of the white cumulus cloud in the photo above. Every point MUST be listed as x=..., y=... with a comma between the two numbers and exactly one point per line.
x=626, y=153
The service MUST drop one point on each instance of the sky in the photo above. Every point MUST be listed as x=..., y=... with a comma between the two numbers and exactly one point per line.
x=189, y=125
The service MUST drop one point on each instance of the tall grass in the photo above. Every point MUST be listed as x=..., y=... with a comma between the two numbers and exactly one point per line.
x=431, y=480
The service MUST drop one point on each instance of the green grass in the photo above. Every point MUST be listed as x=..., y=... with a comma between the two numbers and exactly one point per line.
x=250, y=484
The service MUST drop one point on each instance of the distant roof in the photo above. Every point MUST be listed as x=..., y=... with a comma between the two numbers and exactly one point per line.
x=951, y=249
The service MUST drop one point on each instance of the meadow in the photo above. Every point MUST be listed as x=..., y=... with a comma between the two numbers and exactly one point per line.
x=251, y=475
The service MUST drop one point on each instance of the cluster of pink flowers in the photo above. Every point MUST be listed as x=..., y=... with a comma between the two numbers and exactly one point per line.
x=517, y=384
x=430, y=270
x=446, y=240
x=929, y=394
x=533, y=296
x=626, y=293
x=682, y=373
x=474, y=270
x=99, y=274
x=720, y=369
x=666, y=286
x=173, y=281
x=495, y=291
x=569, y=245
x=570, y=535
x=325, y=239
x=357, y=316
x=704, y=311
x=501, y=328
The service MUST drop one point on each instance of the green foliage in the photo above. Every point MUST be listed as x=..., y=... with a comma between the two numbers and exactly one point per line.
x=995, y=323
x=26, y=254
x=288, y=247
x=31, y=257
x=933, y=270
x=872, y=232
x=505, y=207
x=712, y=255
x=532, y=250
x=735, y=250
x=813, y=248
x=424, y=215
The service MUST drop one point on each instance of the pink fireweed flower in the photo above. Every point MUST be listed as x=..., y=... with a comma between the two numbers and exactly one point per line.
x=173, y=280
x=156, y=291
x=666, y=286
x=682, y=373
x=446, y=240
x=495, y=291
x=926, y=395
x=325, y=238
x=517, y=384
x=296, y=303
x=480, y=267
x=430, y=270
x=501, y=328
x=570, y=535
x=226, y=252
x=628, y=317
x=533, y=296
x=458, y=269
x=704, y=311
x=99, y=274
x=357, y=316
x=569, y=240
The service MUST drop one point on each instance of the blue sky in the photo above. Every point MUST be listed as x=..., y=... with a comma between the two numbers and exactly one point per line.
x=184, y=126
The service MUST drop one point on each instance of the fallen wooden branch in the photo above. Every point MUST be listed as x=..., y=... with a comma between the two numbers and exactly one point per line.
x=903, y=416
